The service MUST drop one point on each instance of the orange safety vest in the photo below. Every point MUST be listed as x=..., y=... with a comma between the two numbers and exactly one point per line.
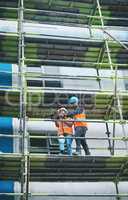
x=64, y=128
x=80, y=117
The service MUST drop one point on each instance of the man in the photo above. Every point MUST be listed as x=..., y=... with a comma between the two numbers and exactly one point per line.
x=80, y=126
x=65, y=131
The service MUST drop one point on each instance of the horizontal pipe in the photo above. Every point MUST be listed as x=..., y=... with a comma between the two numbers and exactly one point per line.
x=66, y=195
x=39, y=125
x=67, y=13
x=44, y=156
x=73, y=148
x=54, y=76
x=61, y=37
x=74, y=137
x=86, y=120
x=62, y=90
x=77, y=62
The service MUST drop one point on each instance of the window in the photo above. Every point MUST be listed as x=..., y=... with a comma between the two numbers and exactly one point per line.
x=52, y=83
x=35, y=83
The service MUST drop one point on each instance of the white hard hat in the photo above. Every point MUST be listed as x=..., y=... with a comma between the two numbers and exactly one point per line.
x=62, y=109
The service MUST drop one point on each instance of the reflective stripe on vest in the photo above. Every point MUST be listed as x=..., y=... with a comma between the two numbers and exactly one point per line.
x=80, y=117
x=64, y=128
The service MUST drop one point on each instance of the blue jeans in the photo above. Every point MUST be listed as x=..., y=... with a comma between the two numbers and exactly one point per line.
x=61, y=141
x=68, y=140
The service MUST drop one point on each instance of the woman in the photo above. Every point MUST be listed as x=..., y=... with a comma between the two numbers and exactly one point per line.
x=65, y=131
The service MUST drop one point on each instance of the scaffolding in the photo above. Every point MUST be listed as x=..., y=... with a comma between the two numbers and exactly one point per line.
x=102, y=105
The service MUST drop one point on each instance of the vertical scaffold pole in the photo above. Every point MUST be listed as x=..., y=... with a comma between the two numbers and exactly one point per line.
x=111, y=67
x=23, y=100
x=117, y=191
x=116, y=96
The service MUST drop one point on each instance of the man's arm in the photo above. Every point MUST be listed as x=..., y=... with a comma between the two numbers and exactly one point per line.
x=75, y=112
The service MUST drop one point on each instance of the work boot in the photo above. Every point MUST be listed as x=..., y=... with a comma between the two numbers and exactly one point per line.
x=76, y=153
x=87, y=153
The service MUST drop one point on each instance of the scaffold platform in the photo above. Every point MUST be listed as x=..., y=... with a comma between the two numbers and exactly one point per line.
x=64, y=168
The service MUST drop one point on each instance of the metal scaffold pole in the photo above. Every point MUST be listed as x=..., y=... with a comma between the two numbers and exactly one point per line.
x=23, y=100
x=116, y=103
x=111, y=67
x=117, y=191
